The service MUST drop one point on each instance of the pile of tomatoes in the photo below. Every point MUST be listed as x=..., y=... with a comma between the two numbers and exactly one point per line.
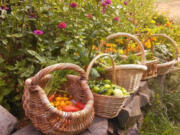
x=66, y=103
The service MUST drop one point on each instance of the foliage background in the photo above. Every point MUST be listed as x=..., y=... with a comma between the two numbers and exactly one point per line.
x=22, y=53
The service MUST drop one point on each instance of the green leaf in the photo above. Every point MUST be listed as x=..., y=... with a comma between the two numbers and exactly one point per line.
x=16, y=35
x=1, y=60
x=59, y=39
x=37, y=56
x=4, y=41
x=94, y=73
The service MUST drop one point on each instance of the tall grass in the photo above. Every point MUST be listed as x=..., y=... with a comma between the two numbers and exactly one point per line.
x=163, y=115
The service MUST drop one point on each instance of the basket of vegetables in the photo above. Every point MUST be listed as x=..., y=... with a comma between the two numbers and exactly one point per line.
x=61, y=113
x=108, y=97
x=129, y=71
x=167, y=59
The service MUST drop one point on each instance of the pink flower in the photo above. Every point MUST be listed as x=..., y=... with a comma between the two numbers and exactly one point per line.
x=116, y=18
x=125, y=2
x=90, y=16
x=104, y=11
x=38, y=32
x=104, y=4
x=62, y=25
x=32, y=16
x=4, y=8
x=108, y=2
x=73, y=4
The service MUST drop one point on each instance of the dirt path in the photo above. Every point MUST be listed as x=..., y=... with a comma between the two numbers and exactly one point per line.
x=171, y=8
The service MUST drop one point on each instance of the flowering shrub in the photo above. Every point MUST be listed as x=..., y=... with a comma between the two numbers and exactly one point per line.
x=38, y=33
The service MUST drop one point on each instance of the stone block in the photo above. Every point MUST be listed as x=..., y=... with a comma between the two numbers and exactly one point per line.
x=7, y=122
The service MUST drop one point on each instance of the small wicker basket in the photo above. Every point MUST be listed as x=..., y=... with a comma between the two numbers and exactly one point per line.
x=164, y=68
x=106, y=106
x=151, y=65
x=151, y=69
x=47, y=118
x=127, y=75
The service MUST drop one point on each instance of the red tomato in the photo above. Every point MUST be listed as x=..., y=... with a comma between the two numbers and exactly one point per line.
x=80, y=105
x=70, y=108
x=51, y=98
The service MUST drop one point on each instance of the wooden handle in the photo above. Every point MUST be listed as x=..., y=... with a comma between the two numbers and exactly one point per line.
x=93, y=61
x=134, y=38
x=61, y=66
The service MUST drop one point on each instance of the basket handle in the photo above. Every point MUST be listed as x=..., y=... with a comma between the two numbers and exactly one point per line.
x=60, y=66
x=170, y=39
x=130, y=36
x=93, y=61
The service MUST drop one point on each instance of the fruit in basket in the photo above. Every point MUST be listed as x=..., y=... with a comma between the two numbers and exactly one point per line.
x=64, y=102
x=109, y=92
x=51, y=98
x=107, y=88
x=118, y=93
x=79, y=105
x=107, y=81
x=96, y=89
x=70, y=108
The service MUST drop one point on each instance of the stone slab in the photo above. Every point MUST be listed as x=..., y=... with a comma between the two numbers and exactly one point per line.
x=98, y=127
x=7, y=122
x=28, y=130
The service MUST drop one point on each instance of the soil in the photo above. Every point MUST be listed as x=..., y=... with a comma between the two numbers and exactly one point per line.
x=171, y=8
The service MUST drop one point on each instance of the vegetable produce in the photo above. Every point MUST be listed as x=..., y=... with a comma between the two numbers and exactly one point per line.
x=163, y=53
x=66, y=103
x=107, y=88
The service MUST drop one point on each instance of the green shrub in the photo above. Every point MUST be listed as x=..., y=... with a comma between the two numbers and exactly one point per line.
x=163, y=115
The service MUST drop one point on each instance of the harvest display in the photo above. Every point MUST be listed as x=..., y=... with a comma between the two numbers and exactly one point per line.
x=107, y=88
x=65, y=102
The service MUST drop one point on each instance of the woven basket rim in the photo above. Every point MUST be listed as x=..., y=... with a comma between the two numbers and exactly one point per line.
x=114, y=97
x=129, y=67
x=152, y=61
x=167, y=63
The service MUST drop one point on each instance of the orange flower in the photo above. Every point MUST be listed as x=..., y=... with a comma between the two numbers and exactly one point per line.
x=94, y=47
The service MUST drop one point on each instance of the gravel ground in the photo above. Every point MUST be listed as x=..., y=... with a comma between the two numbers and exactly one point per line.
x=171, y=8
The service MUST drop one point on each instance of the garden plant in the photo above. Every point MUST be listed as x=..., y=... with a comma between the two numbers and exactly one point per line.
x=38, y=33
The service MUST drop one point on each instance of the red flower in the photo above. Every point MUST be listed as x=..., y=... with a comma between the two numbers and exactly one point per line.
x=62, y=25
x=73, y=4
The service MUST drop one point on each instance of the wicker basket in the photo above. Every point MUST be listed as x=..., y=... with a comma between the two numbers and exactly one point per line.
x=46, y=117
x=128, y=75
x=151, y=71
x=106, y=106
x=164, y=68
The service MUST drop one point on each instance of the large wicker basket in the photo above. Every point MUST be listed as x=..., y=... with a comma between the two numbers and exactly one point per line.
x=127, y=75
x=106, y=106
x=164, y=68
x=47, y=118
